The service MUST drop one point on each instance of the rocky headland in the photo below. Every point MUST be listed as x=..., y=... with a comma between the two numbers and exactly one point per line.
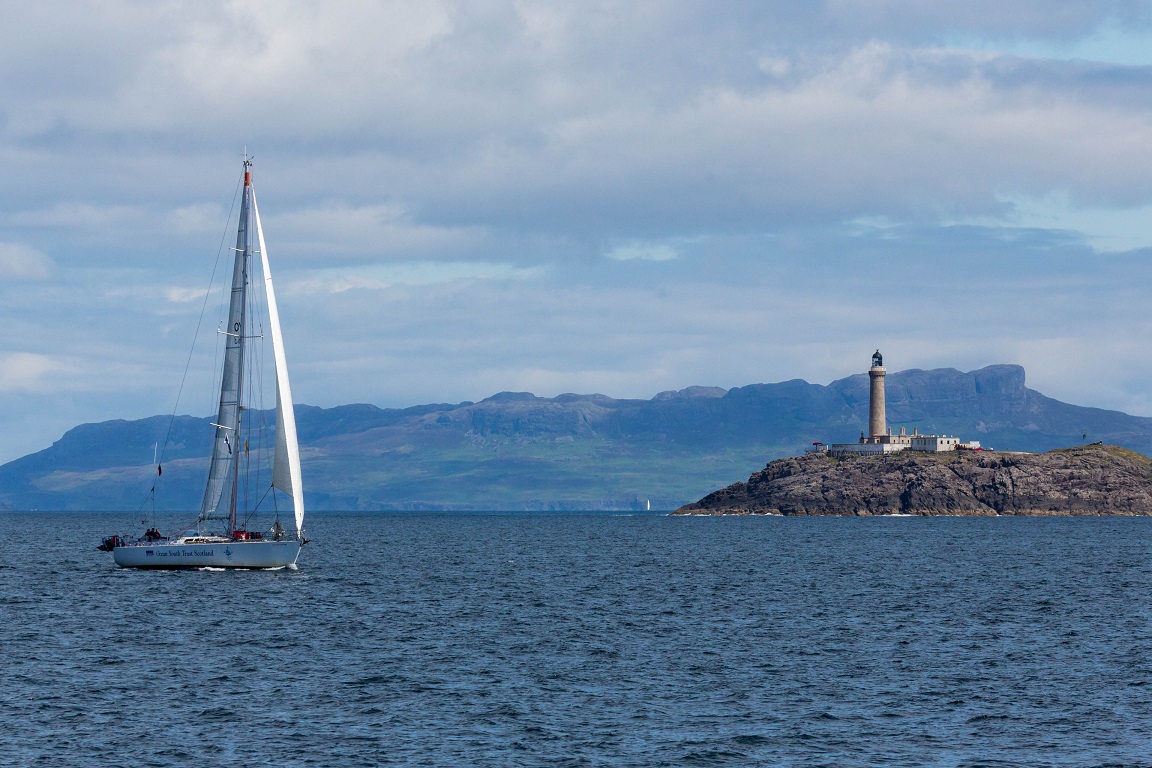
x=1088, y=480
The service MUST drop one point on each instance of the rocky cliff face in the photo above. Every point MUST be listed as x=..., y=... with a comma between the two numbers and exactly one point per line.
x=1090, y=480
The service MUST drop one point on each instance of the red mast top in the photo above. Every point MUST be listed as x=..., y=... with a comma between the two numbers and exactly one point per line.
x=247, y=173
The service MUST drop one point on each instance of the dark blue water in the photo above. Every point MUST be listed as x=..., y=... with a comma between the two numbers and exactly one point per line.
x=537, y=640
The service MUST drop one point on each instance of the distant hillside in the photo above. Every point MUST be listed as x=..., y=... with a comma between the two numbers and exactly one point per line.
x=515, y=451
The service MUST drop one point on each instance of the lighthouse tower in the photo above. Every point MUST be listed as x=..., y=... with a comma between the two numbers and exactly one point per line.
x=877, y=419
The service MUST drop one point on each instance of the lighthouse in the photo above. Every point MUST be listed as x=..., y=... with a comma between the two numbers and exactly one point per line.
x=877, y=419
x=879, y=438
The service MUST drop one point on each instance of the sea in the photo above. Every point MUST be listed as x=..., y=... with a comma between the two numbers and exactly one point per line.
x=436, y=639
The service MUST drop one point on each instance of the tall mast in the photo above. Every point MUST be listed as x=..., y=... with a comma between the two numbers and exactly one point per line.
x=223, y=473
x=247, y=210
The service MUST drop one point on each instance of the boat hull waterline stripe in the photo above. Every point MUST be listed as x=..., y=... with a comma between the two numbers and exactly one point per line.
x=229, y=554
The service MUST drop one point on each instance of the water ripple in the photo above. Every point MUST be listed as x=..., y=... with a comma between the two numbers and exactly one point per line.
x=522, y=640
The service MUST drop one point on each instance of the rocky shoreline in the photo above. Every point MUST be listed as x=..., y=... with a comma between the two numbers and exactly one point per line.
x=1087, y=480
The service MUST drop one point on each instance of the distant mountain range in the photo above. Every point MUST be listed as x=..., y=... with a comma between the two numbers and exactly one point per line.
x=515, y=451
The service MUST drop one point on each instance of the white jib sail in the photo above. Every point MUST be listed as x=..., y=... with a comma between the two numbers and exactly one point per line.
x=286, y=461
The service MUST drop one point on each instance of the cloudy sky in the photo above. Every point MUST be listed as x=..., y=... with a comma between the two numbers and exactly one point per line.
x=619, y=197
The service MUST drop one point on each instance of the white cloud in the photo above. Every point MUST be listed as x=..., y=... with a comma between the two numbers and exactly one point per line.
x=19, y=262
x=29, y=372
x=201, y=217
x=383, y=276
x=180, y=295
x=77, y=216
x=640, y=251
x=386, y=231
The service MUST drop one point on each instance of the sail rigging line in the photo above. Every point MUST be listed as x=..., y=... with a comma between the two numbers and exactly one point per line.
x=256, y=507
x=159, y=460
x=200, y=320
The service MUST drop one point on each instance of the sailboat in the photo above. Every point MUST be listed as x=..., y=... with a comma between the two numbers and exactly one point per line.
x=220, y=536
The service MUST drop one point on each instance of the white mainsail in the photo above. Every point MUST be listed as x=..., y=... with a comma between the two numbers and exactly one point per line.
x=286, y=459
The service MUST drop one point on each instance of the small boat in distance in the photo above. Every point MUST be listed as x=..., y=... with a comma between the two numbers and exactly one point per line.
x=220, y=536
